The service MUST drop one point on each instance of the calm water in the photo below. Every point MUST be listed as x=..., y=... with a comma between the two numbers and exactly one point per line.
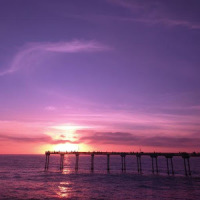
x=23, y=177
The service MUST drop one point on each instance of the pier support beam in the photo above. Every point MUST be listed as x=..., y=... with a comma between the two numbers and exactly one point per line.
x=172, y=167
x=47, y=161
x=123, y=156
x=108, y=162
x=169, y=156
x=61, y=161
x=45, y=167
x=186, y=157
x=154, y=157
x=189, y=171
x=185, y=167
x=77, y=159
x=139, y=163
x=156, y=164
x=92, y=162
x=167, y=166
x=152, y=165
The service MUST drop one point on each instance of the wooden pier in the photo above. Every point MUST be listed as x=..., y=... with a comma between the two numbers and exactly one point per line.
x=169, y=159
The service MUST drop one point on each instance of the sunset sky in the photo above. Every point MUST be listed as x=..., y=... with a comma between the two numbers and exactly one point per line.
x=106, y=75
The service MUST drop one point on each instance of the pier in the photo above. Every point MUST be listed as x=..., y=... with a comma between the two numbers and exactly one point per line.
x=154, y=160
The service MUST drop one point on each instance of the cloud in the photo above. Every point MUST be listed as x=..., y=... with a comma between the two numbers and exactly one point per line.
x=125, y=138
x=39, y=139
x=156, y=12
x=92, y=137
x=31, y=52
x=164, y=21
x=75, y=46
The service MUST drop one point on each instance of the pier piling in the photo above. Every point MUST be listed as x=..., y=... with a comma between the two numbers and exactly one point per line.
x=186, y=157
x=170, y=156
x=172, y=167
x=154, y=168
x=152, y=165
x=138, y=167
x=167, y=166
x=188, y=161
x=47, y=161
x=123, y=157
x=77, y=159
x=45, y=167
x=156, y=164
x=108, y=162
x=185, y=167
x=61, y=161
x=92, y=162
x=139, y=163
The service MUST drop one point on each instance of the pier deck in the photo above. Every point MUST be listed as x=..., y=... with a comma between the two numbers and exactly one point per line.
x=182, y=154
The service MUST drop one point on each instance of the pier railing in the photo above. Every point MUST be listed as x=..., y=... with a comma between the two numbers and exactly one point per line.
x=153, y=156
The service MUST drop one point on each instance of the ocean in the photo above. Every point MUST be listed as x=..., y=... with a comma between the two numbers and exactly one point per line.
x=23, y=177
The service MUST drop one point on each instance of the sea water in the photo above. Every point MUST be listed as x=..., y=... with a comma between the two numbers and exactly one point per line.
x=23, y=177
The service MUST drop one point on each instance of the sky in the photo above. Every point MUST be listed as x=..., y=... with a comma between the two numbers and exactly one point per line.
x=103, y=75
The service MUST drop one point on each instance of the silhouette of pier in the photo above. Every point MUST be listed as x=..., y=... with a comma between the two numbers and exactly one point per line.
x=154, y=158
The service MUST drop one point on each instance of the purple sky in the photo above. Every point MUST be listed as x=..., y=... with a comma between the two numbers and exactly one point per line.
x=104, y=75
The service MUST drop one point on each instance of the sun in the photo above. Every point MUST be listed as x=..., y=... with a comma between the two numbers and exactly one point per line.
x=66, y=147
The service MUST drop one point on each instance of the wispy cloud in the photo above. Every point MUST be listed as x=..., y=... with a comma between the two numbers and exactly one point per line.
x=153, y=12
x=30, y=52
x=164, y=21
x=74, y=46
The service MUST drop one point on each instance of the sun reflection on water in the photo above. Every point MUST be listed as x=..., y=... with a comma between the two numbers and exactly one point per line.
x=66, y=171
x=66, y=168
x=64, y=190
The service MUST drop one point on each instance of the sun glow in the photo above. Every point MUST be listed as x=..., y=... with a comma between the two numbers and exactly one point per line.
x=66, y=147
x=67, y=136
x=64, y=131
